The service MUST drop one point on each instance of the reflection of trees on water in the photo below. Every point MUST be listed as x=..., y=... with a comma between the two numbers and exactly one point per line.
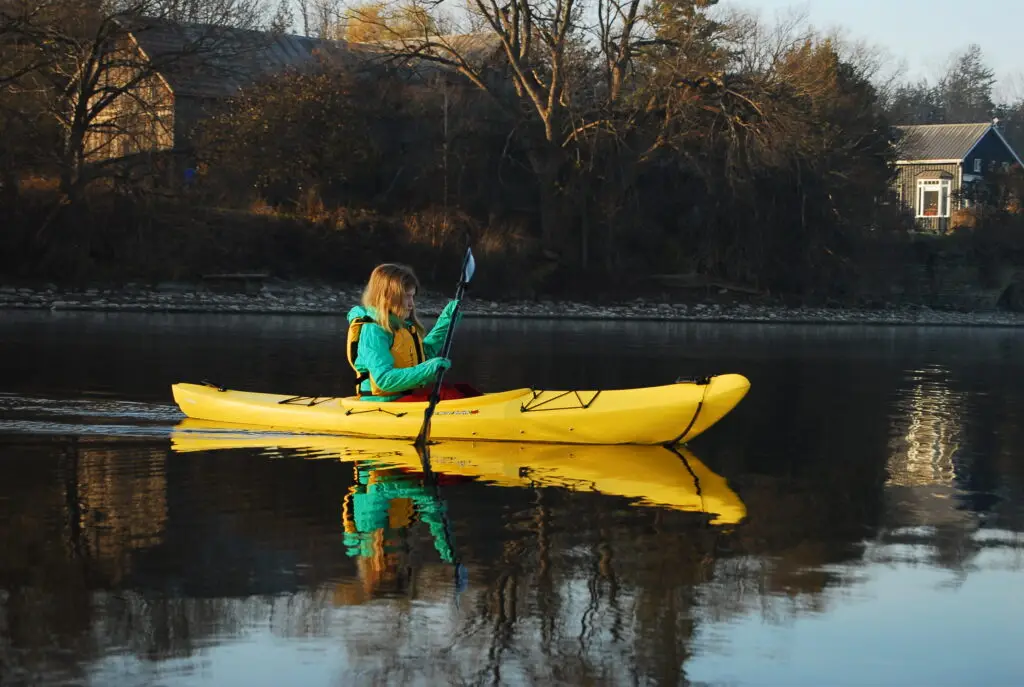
x=558, y=603
x=161, y=627
x=115, y=507
x=159, y=556
x=74, y=517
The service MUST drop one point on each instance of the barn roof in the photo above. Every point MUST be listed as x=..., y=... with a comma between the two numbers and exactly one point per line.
x=207, y=61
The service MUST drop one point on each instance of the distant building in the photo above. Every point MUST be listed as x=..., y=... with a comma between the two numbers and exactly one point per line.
x=172, y=74
x=937, y=162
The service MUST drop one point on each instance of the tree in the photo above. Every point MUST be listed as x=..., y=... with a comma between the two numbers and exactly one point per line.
x=917, y=103
x=283, y=19
x=376, y=21
x=965, y=91
x=545, y=78
x=322, y=18
x=300, y=131
x=962, y=95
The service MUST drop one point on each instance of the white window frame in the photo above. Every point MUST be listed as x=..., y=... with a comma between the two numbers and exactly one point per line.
x=940, y=185
x=978, y=162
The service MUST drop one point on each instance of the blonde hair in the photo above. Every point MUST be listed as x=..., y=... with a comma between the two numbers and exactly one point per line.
x=385, y=291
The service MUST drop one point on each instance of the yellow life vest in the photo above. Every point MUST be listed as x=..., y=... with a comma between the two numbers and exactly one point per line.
x=406, y=349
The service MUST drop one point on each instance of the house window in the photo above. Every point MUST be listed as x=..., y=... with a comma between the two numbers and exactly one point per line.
x=933, y=197
x=977, y=165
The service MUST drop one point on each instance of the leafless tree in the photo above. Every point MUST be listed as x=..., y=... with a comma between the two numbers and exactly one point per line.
x=536, y=58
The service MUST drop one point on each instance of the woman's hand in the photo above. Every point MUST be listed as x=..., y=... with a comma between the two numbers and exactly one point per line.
x=448, y=310
x=435, y=364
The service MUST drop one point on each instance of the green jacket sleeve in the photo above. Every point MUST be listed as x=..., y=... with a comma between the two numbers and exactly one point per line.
x=375, y=357
x=433, y=341
x=432, y=512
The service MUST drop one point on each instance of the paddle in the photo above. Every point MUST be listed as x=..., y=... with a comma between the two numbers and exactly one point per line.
x=430, y=480
x=468, y=269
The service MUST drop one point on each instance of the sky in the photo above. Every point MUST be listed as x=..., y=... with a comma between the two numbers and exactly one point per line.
x=924, y=33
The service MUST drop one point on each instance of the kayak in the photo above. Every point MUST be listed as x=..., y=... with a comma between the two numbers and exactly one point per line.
x=657, y=476
x=669, y=414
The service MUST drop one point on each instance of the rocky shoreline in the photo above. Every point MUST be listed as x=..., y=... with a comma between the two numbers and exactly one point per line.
x=278, y=299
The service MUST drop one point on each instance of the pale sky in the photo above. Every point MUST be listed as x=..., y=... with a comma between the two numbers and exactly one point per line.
x=922, y=32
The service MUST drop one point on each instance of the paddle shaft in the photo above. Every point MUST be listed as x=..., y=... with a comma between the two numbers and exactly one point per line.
x=435, y=394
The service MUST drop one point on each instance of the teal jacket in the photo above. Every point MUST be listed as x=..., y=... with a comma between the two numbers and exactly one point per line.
x=370, y=505
x=374, y=355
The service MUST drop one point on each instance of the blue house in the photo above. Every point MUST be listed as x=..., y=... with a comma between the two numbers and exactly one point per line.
x=937, y=163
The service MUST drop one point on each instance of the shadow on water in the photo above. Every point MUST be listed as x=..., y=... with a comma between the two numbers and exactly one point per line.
x=856, y=520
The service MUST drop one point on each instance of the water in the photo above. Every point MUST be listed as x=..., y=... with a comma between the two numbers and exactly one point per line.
x=857, y=520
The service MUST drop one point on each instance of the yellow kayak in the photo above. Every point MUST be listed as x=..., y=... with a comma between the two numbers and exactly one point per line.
x=649, y=475
x=669, y=414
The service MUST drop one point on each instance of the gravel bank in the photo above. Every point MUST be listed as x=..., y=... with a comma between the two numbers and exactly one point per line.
x=320, y=300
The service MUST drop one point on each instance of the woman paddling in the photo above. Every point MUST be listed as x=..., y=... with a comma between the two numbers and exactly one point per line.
x=387, y=348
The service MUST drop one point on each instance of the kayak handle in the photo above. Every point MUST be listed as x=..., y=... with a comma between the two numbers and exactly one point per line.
x=700, y=381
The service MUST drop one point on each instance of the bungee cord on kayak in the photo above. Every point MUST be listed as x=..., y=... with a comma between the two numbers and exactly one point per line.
x=535, y=403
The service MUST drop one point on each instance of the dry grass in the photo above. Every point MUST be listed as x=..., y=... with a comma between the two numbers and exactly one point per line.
x=262, y=208
x=116, y=236
x=312, y=208
x=38, y=185
x=964, y=218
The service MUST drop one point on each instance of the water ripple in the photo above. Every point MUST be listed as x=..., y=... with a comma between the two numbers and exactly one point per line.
x=106, y=416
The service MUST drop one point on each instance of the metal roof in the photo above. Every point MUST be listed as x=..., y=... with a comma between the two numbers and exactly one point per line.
x=215, y=62
x=923, y=142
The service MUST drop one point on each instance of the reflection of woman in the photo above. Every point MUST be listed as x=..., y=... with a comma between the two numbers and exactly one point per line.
x=382, y=503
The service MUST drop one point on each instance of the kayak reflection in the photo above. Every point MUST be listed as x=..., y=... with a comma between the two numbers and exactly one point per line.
x=390, y=491
x=648, y=475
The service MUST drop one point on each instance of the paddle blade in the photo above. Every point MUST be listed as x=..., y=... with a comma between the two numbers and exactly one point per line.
x=468, y=267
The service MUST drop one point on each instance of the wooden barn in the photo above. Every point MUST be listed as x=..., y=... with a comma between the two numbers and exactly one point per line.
x=171, y=75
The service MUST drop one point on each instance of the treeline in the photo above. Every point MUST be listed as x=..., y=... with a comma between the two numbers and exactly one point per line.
x=964, y=93
x=573, y=141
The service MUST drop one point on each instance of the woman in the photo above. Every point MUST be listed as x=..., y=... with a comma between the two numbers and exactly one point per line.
x=387, y=348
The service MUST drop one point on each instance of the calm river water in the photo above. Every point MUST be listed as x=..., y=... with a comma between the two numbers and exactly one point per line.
x=857, y=520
